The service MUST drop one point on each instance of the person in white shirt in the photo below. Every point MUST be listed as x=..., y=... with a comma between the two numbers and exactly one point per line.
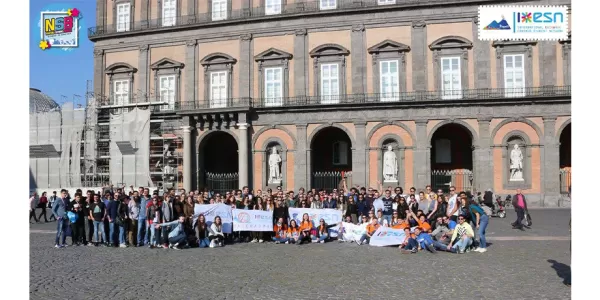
x=215, y=234
x=462, y=237
x=378, y=202
x=381, y=220
x=413, y=191
x=452, y=211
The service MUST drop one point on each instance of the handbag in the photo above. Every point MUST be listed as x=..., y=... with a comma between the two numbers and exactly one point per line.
x=528, y=219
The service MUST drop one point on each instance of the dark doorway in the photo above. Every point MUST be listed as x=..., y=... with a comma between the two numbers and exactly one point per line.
x=331, y=158
x=565, y=147
x=218, y=162
x=452, y=158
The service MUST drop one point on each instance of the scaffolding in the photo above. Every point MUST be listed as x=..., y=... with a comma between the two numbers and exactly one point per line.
x=166, y=153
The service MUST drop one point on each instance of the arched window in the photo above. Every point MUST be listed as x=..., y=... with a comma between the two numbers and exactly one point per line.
x=340, y=153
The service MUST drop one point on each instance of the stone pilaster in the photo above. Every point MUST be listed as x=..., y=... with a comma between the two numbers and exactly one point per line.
x=144, y=12
x=547, y=55
x=422, y=164
x=481, y=53
x=359, y=156
x=245, y=78
x=100, y=13
x=143, y=94
x=359, y=64
x=551, y=165
x=300, y=159
x=243, y=154
x=484, y=178
x=419, y=55
x=98, y=74
x=300, y=63
x=191, y=61
x=187, y=157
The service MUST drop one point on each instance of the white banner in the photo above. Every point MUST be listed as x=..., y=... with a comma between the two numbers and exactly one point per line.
x=352, y=232
x=331, y=216
x=252, y=220
x=386, y=236
x=210, y=211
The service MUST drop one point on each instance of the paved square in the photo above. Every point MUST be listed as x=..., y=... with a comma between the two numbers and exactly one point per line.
x=517, y=266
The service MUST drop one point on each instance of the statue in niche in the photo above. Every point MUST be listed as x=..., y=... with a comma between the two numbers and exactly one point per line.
x=274, y=167
x=390, y=165
x=516, y=164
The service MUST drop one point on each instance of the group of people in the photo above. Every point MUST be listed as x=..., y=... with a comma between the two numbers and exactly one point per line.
x=114, y=217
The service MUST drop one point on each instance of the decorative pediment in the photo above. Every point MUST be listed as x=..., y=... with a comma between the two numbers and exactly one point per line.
x=166, y=63
x=217, y=59
x=329, y=50
x=388, y=46
x=507, y=43
x=273, y=54
x=120, y=68
x=451, y=42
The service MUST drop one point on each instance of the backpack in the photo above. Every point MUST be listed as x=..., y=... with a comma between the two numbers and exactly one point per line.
x=487, y=210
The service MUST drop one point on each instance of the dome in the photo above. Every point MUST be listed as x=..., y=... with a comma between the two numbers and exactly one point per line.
x=39, y=102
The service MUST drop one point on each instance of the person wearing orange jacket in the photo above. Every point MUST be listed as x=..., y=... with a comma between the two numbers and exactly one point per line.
x=305, y=228
x=371, y=228
x=280, y=230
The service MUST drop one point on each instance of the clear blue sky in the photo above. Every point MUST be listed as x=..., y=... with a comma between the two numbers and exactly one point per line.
x=75, y=66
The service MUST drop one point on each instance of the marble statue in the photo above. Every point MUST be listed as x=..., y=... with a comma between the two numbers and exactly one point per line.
x=516, y=164
x=274, y=167
x=390, y=165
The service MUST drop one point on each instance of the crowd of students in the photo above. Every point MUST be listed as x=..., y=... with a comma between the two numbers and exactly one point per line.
x=115, y=217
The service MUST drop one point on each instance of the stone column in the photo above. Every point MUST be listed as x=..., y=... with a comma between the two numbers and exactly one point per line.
x=359, y=65
x=142, y=94
x=551, y=165
x=245, y=66
x=190, y=72
x=300, y=159
x=484, y=178
x=422, y=164
x=99, y=74
x=243, y=154
x=359, y=156
x=481, y=53
x=300, y=63
x=100, y=13
x=187, y=157
x=419, y=55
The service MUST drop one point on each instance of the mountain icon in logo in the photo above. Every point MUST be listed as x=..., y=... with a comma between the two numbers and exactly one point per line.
x=502, y=25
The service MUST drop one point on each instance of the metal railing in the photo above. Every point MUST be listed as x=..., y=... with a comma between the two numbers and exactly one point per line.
x=221, y=182
x=462, y=179
x=287, y=9
x=565, y=181
x=330, y=180
x=374, y=98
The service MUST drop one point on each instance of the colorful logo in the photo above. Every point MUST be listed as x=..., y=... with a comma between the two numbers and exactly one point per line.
x=502, y=25
x=539, y=17
x=243, y=218
x=59, y=29
x=525, y=18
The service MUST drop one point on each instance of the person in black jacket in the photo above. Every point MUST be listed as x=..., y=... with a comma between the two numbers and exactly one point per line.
x=122, y=221
x=78, y=227
x=280, y=211
x=520, y=204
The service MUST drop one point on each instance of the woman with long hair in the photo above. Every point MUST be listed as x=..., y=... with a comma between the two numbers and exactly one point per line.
x=402, y=207
x=323, y=230
x=202, y=232
x=352, y=210
x=280, y=232
x=257, y=236
x=293, y=232
x=215, y=235
x=305, y=228
x=439, y=207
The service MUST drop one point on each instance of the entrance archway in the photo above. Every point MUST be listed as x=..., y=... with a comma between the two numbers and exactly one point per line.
x=452, y=158
x=218, y=162
x=565, y=160
x=331, y=158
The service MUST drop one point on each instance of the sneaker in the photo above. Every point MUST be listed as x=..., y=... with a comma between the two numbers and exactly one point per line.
x=431, y=248
x=175, y=245
x=220, y=244
x=91, y=244
x=322, y=242
x=57, y=246
x=123, y=246
x=287, y=242
x=414, y=250
x=176, y=248
x=212, y=244
x=261, y=241
x=482, y=250
x=276, y=242
x=475, y=249
x=461, y=251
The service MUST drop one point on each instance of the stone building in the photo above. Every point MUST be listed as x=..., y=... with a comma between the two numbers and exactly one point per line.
x=331, y=83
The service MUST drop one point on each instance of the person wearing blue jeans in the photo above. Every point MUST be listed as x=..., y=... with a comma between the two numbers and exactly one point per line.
x=424, y=240
x=462, y=237
x=142, y=233
x=59, y=210
x=205, y=242
x=481, y=221
x=99, y=228
x=98, y=215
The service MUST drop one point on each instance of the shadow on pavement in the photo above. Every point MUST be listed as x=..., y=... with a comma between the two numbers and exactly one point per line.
x=563, y=271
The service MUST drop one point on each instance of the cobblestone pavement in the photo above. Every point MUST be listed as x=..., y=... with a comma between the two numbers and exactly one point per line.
x=515, y=267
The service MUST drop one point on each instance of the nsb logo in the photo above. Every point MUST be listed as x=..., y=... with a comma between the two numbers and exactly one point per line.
x=539, y=17
x=60, y=29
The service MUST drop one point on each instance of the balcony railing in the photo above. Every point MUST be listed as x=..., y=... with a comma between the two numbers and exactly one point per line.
x=215, y=104
x=289, y=9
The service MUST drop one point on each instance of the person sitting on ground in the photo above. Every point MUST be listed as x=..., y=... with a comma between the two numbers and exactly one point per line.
x=421, y=221
x=305, y=228
x=280, y=230
x=381, y=220
x=462, y=236
x=293, y=232
x=202, y=232
x=371, y=228
x=323, y=231
x=215, y=234
x=400, y=223
x=424, y=239
x=176, y=236
x=410, y=244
